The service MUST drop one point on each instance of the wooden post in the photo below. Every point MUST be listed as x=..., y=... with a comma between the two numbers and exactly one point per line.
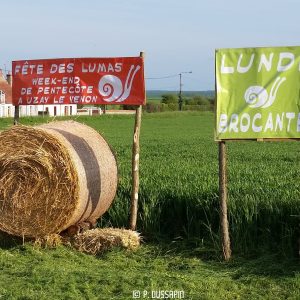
x=17, y=114
x=135, y=166
x=223, y=200
x=135, y=169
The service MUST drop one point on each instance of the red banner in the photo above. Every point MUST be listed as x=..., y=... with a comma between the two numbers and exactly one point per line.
x=79, y=81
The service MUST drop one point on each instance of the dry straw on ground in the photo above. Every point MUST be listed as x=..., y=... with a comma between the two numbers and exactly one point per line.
x=99, y=240
x=50, y=241
x=94, y=241
x=53, y=176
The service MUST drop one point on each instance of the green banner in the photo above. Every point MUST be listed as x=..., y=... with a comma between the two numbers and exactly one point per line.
x=258, y=93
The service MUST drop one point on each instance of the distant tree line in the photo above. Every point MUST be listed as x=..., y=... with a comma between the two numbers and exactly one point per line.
x=169, y=102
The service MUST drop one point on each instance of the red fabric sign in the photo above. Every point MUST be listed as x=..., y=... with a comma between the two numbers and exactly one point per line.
x=79, y=81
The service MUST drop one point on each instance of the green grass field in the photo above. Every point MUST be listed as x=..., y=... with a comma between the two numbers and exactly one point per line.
x=179, y=219
x=33, y=273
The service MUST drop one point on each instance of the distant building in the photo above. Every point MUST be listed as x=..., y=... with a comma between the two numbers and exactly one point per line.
x=7, y=109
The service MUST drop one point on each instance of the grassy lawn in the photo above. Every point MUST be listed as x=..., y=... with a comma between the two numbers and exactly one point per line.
x=179, y=219
x=33, y=273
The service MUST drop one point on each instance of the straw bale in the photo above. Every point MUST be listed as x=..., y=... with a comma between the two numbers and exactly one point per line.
x=98, y=240
x=53, y=176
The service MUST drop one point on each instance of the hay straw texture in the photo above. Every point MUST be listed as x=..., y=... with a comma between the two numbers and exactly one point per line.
x=53, y=176
x=98, y=240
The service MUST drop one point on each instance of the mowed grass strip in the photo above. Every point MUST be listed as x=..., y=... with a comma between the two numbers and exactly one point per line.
x=29, y=272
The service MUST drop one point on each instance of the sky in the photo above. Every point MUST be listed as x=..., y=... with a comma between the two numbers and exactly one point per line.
x=176, y=35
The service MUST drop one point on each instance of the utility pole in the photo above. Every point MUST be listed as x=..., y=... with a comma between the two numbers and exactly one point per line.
x=180, y=88
x=180, y=92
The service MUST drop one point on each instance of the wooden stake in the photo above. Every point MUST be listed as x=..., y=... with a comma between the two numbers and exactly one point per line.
x=135, y=166
x=223, y=201
x=17, y=114
x=135, y=169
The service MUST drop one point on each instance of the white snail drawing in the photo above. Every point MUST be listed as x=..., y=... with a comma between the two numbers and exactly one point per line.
x=257, y=96
x=111, y=87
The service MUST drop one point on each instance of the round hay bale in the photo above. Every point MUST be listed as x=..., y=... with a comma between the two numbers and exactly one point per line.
x=53, y=176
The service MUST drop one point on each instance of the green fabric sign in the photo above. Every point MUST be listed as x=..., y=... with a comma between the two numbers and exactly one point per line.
x=258, y=93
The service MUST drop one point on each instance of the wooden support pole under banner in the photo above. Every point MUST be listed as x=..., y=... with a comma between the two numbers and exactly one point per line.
x=135, y=166
x=17, y=114
x=223, y=200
